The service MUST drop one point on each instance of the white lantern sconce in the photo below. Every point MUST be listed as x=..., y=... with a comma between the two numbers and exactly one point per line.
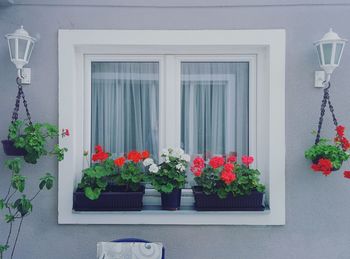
x=21, y=45
x=329, y=50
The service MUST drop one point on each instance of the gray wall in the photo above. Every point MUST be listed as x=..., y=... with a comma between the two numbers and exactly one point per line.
x=318, y=209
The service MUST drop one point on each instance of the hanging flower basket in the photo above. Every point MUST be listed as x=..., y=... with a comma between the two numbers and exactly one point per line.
x=212, y=202
x=114, y=198
x=11, y=150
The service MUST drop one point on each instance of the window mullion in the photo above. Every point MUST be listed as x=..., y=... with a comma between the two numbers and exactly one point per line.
x=172, y=115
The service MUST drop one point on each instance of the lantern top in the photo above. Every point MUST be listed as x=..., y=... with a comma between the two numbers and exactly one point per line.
x=330, y=36
x=20, y=33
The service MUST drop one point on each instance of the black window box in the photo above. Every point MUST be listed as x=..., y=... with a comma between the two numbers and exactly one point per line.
x=212, y=202
x=114, y=199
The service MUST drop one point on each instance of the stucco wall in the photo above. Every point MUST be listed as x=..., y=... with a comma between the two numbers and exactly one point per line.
x=318, y=209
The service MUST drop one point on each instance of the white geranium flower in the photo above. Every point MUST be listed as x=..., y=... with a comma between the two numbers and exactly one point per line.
x=165, y=152
x=178, y=152
x=148, y=161
x=180, y=167
x=186, y=157
x=154, y=168
x=167, y=160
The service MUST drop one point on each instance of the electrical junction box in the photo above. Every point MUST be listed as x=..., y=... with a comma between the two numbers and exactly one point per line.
x=26, y=75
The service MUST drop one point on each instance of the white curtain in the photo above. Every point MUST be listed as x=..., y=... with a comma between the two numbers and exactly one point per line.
x=215, y=107
x=124, y=106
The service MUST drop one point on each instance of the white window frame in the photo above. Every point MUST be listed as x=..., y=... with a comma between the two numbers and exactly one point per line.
x=267, y=138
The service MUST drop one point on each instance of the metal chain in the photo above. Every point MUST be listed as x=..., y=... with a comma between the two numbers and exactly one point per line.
x=20, y=94
x=325, y=100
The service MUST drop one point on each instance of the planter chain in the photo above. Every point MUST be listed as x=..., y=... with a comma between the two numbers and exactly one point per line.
x=20, y=94
x=325, y=100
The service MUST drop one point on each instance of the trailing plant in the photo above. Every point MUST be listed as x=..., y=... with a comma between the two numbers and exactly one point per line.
x=16, y=204
x=327, y=156
x=222, y=177
x=171, y=173
x=34, y=139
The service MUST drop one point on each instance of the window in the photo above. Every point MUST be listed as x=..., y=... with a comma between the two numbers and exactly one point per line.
x=209, y=92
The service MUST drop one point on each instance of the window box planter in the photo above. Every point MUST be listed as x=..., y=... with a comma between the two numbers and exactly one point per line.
x=212, y=202
x=113, y=199
x=11, y=150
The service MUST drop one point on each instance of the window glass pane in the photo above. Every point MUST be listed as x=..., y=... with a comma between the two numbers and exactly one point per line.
x=327, y=53
x=215, y=108
x=124, y=106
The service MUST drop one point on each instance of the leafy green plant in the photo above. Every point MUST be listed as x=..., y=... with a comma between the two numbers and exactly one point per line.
x=171, y=173
x=95, y=178
x=16, y=204
x=222, y=177
x=105, y=172
x=34, y=137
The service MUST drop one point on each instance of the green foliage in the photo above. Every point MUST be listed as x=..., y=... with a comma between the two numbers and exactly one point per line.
x=247, y=180
x=18, y=207
x=172, y=172
x=96, y=178
x=327, y=151
x=46, y=181
x=130, y=175
x=34, y=138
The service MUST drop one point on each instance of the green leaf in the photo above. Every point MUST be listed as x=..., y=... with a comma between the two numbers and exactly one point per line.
x=14, y=165
x=18, y=182
x=167, y=188
x=23, y=205
x=46, y=181
x=92, y=194
x=3, y=248
x=2, y=204
x=9, y=218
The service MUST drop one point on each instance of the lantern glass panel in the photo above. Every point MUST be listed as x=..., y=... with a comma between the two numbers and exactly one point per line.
x=22, y=46
x=327, y=53
x=12, y=44
x=319, y=54
x=338, y=50
x=30, y=49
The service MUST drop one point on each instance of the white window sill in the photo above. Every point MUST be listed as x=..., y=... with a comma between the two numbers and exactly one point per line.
x=185, y=216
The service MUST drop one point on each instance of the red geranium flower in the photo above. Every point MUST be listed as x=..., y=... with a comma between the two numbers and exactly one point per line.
x=98, y=148
x=347, y=174
x=216, y=162
x=100, y=155
x=229, y=167
x=198, y=162
x=247, y=160
x=228, y=177
x=120, y=161
x=231, y=159
x=196, y=171
x=323, y=165
x=134, y=156
x=145, y=154
x=340, y=130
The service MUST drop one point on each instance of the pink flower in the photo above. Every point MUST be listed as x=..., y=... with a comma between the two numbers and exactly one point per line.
x=247, y=160
x=231, y=159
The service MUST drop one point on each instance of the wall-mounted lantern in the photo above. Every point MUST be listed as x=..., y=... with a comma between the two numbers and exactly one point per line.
x=21, y=45
x=329, y=50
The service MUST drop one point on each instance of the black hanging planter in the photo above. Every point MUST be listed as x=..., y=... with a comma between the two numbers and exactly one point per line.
x=172, y=200
x=113, y=199
x=212, y=202
x=11, y=150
